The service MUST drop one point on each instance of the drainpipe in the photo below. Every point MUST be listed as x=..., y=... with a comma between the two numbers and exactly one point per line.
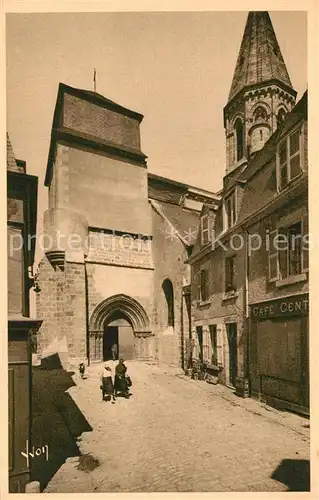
x=246, y=305
x=242, y=384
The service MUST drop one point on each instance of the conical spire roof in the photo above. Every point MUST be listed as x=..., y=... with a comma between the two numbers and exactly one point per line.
x=259, y=59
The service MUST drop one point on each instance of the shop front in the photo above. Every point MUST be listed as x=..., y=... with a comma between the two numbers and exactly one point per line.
x=279, y=352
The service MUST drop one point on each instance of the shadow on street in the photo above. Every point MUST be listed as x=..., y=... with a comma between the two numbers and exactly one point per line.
x=293, y=473
x=57, y=421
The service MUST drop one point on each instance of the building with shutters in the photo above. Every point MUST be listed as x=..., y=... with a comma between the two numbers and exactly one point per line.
x=249, y=298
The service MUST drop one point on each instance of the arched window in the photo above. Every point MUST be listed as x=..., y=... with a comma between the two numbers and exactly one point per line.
x=239, y=128
x=169, y=295
x=260, y=114
x=281, y=116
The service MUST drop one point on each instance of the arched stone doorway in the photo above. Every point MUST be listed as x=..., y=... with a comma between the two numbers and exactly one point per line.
x=122, y=321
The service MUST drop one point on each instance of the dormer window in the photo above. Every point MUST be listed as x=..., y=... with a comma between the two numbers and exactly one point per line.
x=230, y=210
x=205, y=229
x=239, y=128
x=289, y=159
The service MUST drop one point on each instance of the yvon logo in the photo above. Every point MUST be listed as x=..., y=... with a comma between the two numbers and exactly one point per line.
x=35, y=452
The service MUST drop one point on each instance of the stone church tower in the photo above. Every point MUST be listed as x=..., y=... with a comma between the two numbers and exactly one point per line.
x=116, y=239
x=261, y=93
x=97, y=272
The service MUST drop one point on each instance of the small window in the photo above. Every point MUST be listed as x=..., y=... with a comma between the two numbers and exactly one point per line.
x=289, y=159
x=205, y=229
x=229, y=274
x=230, y=210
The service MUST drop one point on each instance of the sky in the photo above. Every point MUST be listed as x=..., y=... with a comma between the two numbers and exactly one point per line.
x=175, y=68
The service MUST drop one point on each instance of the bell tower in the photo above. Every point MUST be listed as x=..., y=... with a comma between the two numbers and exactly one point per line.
x=261, y=92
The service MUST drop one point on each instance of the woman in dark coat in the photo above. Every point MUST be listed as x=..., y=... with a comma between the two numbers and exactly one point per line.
x=121, y=381
x=107, y=386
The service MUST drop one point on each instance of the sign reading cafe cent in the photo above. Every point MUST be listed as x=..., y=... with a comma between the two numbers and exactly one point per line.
x=287, y=306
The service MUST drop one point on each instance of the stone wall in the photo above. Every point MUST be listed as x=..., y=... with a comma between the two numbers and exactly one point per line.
x=75, y=311
x=169, y=263
x=52, y=340
x=121, y=250
x=86, y=117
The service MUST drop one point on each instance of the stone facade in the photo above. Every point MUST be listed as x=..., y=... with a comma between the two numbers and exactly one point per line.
x=113, y=239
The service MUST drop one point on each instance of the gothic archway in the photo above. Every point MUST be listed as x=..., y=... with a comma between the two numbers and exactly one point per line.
x=109, y=311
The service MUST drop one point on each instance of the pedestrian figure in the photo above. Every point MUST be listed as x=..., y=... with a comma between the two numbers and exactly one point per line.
x=114, y=351
x=82, y=369
x=107, y=386
x=122, y=381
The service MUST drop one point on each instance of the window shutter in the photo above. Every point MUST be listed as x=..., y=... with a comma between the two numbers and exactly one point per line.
x=273, y=264
x=305, y=245
x=283, y=258
x=294, y=154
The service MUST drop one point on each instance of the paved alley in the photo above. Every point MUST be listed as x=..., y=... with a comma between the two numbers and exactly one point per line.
x=180, y=435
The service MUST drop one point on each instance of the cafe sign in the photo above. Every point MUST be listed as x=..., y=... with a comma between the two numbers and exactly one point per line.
x=288, y=306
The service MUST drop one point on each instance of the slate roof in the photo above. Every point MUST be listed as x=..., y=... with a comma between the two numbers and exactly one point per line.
x=12, y=164
x=183, y=220
x=259, y=59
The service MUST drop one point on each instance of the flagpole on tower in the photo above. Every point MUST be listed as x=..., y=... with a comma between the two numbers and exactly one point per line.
x=94, y=80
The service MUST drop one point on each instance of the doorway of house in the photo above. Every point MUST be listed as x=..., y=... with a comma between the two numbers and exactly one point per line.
x=111, y=337
x=199, y=330
x=232, y=345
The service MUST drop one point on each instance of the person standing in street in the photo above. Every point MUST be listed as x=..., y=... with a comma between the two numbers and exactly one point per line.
x=114, y=351
x=121, y=380
x=107, y=386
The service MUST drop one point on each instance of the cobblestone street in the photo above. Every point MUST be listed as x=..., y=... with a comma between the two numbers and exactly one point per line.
x=176, y=434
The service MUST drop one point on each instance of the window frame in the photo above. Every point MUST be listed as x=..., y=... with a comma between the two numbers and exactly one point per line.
x=240, y=146
x=206, y=231
x=212, y=330
x=289, y=157
x=202, y=285
x=230, y=287
x=232, y=195
x=275, y=255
